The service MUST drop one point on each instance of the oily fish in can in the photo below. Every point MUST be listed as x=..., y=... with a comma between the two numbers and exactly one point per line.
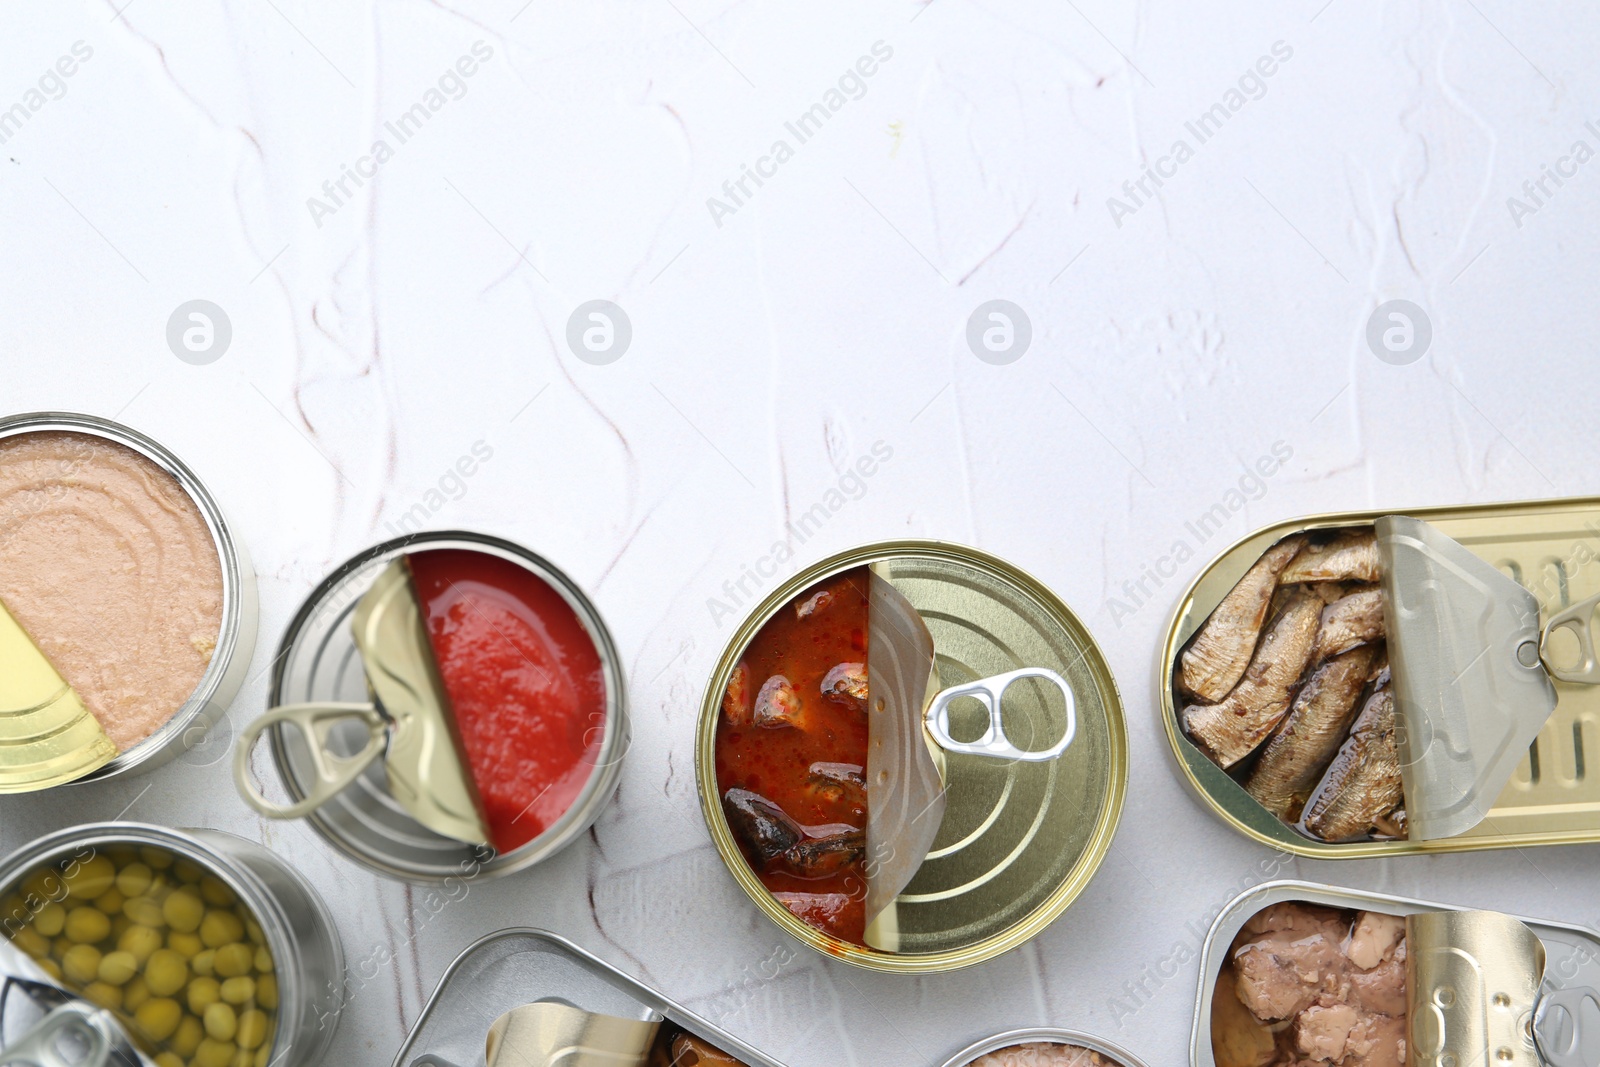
x=912, y=750
x=1305, y=976
x=488, y=700
x=1392, y=684
x=111, y=603
x=160, y=942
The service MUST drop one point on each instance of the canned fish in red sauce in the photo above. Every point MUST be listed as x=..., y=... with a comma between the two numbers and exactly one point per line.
x=912, y=756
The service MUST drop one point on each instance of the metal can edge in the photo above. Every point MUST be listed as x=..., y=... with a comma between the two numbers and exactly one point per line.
x=722, y=838
x=230, y=661
x=1182, y=748
x=1052, y=1034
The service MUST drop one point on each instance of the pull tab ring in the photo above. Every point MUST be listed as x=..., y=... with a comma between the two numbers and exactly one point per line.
x=39, y=1046
x=1577, y=619
x=994, y=743
x=1558, y=1027
x=335, y=773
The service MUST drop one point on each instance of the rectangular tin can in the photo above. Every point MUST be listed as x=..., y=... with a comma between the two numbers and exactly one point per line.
x=513, y=967
x=1552, y=548
x=1572, y=953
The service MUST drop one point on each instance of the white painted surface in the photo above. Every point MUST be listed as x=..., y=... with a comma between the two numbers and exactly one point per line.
x=827, y=313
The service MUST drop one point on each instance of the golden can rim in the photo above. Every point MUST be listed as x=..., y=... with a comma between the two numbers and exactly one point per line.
x=1184, y=752
x=1018, y=933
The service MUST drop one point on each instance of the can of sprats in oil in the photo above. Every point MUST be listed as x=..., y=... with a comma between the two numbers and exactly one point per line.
x=236, y=638
x=1551, y=549
x=1109, y=1055
x=306, y=962
x=318, y=663
x=1021, y=835
x=507, y=969
x=1479, y=987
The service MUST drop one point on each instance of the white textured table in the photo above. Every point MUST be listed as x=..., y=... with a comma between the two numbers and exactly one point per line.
x=381, y=330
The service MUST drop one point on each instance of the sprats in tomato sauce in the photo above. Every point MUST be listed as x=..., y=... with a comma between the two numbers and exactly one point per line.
x=791, y=753
x=525, y=684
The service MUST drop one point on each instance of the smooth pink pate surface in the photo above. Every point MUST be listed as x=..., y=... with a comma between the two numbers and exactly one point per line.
x=110, y=567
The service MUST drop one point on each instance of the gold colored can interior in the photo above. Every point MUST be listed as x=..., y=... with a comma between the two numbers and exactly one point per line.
x=1552, y=548
x=1019, y=841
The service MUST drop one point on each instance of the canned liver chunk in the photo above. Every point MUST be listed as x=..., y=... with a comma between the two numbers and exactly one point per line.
x=1043, y=1054
x=1310, y=985
x=139, y=955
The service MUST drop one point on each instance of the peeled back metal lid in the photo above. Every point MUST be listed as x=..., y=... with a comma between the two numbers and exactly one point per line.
x=1478, y=993
x=1019, y=839
x=1470, y=692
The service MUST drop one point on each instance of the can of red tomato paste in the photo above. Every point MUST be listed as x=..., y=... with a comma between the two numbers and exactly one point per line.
x=561, y=711
x=912, y=756
x=1296, y=972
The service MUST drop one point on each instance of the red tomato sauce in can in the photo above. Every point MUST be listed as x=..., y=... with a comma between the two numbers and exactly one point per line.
x=525, y=682
x=791, y=754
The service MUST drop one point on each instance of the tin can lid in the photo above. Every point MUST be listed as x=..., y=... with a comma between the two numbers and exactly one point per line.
x=1019, y=839
x=319, y=662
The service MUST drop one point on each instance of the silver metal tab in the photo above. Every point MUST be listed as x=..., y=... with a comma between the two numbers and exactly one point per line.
x=994, y=743
x=1567, y=1027
x=1575, y=619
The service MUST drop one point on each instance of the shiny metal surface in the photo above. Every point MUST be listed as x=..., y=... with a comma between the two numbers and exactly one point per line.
x=236, y=641
x=1020, y=840
x=318, y=662
x=1552, y=548
x=305, y=946
x=1571, y=953
x=510, y=968
x=1119, y=1056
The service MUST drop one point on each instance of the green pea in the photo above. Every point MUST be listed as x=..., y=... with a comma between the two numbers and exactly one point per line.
x=118, y=968
x=167, y=972
x=86, y=926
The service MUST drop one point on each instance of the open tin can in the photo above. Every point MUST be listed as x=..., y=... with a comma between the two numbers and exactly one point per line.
x=1474, y=987
x=1109, y=1055
x=1494, y=715
x=912, y=756
x=285, y=937
x=229, y=656
x=513, y=970
x=376, y=762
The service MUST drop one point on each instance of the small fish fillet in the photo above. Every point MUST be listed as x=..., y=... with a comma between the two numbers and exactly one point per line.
x=1351, y=620
x=1351, y=556
x=1221, y=651
x=1232, y=728
x=1364, y=782
x=1309, y=737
